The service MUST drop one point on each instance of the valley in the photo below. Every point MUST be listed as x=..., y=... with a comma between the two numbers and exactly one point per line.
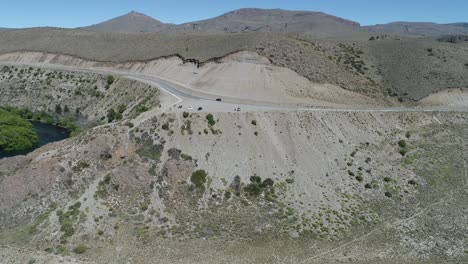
x=218, y=142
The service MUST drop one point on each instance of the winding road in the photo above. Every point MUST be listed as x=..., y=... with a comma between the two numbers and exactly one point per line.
x=208, y=101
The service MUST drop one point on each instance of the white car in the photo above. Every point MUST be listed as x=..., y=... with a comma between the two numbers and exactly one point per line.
x=190, y=108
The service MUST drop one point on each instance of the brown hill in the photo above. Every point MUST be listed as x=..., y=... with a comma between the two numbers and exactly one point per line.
x=131, y=22
x=272, y=20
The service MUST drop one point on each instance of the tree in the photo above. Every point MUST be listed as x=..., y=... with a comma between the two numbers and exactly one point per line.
x=16, y=133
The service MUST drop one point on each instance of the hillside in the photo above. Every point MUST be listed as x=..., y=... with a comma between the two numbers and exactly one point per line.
x=259, y=136
x=131, y=22
x=369, y=67
x=421, y=28
x=128, y=186
x=273, y=20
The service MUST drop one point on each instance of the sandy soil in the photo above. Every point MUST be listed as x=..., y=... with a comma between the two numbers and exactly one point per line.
x=243, y=75
x=456, y=98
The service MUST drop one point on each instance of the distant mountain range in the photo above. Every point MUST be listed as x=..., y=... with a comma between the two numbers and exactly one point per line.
x=421, y=28
x=272, y=20
x=276, y=21
x=242, y=20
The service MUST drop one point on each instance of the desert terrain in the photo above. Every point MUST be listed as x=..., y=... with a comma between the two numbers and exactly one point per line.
x=206, y=146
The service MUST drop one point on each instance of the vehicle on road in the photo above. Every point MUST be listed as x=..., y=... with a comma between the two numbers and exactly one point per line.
x=219, y=99
x=190, y=107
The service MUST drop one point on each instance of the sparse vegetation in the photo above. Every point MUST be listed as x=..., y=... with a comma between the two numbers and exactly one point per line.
x=257, y=186
x=81, y=249
x=68, y=219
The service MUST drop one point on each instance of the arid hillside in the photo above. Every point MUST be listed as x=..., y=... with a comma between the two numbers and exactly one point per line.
x=260, y=136
x=159, y=178
x=407, y=69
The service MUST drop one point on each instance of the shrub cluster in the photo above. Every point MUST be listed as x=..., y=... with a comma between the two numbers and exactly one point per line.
x=199, y=178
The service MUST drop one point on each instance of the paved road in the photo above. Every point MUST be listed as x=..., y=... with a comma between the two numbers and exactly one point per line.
x=196, y=97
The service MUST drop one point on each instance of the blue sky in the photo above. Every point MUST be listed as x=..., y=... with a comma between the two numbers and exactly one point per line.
x=75, y=13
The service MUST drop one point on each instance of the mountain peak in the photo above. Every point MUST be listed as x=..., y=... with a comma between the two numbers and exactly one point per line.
x=136, y=14
x=131, y=22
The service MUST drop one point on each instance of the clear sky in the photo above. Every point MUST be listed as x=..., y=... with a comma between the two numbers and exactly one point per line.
x=75, y=13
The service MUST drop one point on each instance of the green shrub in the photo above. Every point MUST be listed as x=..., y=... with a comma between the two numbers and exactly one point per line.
x=255, y=179
x=268, y=182
x=80, y=166
x=185, y=156
x=210, y=119
x=254, y=122
x=185, y=114
x=111, y=115
x=402, y=143
x=402, y=152
x=144, y=207
x=142, y=108
x=254, y=189
x=256, y=186
x=121, y=108
x=80, y=249
x=359, y=178
x=199, y=178
x=58, y=109
x=110, y=79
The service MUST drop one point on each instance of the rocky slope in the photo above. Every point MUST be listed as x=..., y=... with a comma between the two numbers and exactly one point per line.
x=190, y=181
